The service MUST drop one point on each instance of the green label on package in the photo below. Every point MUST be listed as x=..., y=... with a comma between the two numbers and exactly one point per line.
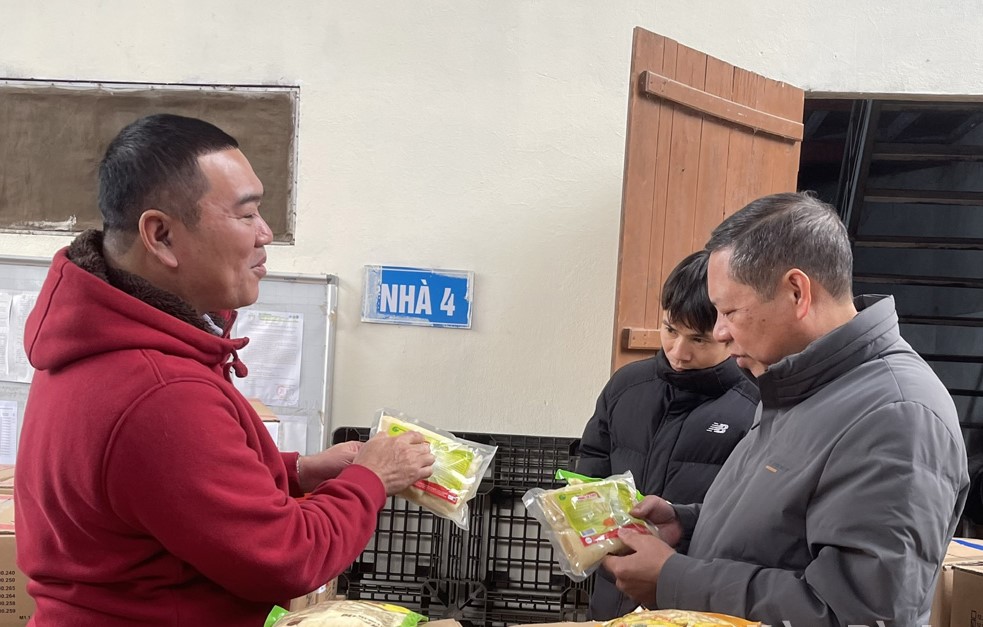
x=596, y=510
x=450, y=470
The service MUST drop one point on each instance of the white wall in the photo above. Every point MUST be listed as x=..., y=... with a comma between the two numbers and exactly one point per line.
x=483, y=136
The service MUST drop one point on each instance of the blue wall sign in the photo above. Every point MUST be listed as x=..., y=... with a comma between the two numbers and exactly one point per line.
x=422, y=296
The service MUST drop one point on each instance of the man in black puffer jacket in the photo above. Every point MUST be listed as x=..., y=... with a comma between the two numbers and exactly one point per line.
x=673, y=419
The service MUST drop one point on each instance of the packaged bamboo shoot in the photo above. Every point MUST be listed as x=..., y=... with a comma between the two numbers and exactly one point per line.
x=582, y=520
x=457, y=471
x=344, y=613
x=678, y=618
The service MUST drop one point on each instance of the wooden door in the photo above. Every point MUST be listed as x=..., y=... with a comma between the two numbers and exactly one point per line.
x=704, y=138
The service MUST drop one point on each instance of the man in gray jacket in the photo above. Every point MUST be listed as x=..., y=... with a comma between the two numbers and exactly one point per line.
x=838, y=506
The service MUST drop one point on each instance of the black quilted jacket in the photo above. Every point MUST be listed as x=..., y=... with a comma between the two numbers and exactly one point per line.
x=672, y=430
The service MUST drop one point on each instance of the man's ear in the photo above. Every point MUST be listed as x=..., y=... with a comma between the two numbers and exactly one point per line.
x=799, y=288
x=155, y=235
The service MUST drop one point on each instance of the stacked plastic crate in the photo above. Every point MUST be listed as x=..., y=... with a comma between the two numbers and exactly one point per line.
x=500, y=571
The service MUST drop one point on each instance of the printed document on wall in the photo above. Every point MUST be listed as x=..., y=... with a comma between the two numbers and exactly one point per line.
x=273, y=355
x=8, y=432
x=14, y=309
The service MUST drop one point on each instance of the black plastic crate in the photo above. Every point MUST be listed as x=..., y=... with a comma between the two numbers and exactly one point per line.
x=519, y=556
x=466, y=550
x=409, y=544
x=463, y=601
x=348, y=434
x=530, y=461
x=408, y=595
x=500, y=571
x=511, y=607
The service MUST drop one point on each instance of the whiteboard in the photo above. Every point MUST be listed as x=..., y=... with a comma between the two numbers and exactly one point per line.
x=313, y=296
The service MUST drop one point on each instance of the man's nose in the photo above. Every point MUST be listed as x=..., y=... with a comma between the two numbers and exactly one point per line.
x=679, y=352
x=720, y=331
x=264, y=234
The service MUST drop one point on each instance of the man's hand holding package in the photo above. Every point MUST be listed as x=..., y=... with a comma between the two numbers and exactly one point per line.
x=399, y=461
x=660, y=513
x=637, y=574
x=328, y=464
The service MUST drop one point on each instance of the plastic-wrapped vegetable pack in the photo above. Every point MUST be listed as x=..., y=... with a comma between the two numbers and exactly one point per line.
x=582, y=520
x=344, y=613
x=457, y=471
x=677, y=618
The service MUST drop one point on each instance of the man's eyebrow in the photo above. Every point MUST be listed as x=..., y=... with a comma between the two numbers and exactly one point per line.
x=245, y=200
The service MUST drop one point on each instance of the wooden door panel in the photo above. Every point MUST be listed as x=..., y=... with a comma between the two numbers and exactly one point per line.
x=704, y=138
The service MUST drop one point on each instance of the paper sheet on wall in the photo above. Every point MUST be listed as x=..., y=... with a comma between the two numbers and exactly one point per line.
x=8, y=432
x=14, y=309
x=273, y=355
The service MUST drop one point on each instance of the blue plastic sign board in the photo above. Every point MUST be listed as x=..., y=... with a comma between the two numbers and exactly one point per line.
x=421, y=296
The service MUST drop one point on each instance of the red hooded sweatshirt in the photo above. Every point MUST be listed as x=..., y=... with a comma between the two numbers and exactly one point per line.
x=148, y=491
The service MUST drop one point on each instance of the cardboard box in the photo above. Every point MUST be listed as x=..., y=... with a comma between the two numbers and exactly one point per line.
x=265, y=413
x=6, y=478
x=270, y=419
x=16, y=606
x=967, y=595
x=942, y=603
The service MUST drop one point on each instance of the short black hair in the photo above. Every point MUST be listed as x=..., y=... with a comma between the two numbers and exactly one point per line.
x=773, y=234
x=684, y=294
x=153, y=163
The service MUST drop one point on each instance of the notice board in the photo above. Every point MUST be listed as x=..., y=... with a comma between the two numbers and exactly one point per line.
x=314, y=298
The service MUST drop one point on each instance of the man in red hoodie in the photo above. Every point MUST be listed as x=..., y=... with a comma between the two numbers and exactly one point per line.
x=148, y=491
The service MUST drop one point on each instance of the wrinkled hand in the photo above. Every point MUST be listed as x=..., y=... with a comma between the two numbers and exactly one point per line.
x=637, y=574
x=399, y=461
x=660, y=513
x=328, y=464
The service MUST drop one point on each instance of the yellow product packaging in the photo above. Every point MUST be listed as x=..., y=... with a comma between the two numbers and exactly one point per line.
x=678, y=618
x=346, y=613
x=457, y=471
x=582, y=520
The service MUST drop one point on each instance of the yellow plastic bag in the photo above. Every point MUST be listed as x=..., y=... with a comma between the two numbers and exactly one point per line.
x=457, y=471
x=582, y=520
x=678, y=618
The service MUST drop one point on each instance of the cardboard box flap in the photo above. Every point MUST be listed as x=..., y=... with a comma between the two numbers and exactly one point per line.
x=6, y=513
x=265, y=413
x=959, y=552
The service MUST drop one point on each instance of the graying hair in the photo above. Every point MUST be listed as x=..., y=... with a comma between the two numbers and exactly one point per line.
x=773, y=234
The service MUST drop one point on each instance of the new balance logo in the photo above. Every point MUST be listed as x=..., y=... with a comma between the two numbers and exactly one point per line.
x=718, y=427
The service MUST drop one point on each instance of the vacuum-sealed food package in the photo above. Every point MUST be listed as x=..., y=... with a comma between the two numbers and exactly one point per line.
x=677, y=618
x=582, y=520
x=457, y=471
x=344, y=613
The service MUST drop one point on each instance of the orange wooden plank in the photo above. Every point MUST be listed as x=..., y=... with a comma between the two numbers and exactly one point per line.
x=714, y=149
x=642, y=339
x=700, y=101
x=638, y=189
x=766, y=148
x=739, y=153
x=684, y=169
x=791, y=101
x=653, y=287
x=775, y=159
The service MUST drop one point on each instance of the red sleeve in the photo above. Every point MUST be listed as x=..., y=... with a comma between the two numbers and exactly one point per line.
x=290, y=461
x=183, y=472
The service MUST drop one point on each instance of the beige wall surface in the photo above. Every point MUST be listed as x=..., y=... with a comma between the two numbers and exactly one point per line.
x=484, y=136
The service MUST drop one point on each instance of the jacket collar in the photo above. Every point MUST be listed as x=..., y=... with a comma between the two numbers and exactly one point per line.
x=711, y=382
x=797, y=377
x=87, y=253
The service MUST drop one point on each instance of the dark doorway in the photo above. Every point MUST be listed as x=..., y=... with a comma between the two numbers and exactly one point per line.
x=907, y=177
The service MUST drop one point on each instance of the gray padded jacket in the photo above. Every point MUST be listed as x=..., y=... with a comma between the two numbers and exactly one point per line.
x=838, y=506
